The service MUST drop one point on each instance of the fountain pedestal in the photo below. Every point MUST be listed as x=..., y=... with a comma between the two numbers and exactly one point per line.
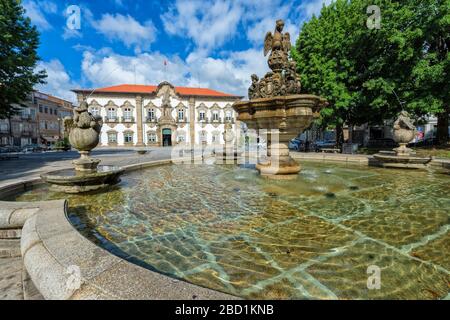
x=86, y=163
x=281, y=118
x=229, y=154
x=87, y=175
x=402, y=157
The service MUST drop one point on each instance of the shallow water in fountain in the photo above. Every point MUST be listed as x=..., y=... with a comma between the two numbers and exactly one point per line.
x=226, y=228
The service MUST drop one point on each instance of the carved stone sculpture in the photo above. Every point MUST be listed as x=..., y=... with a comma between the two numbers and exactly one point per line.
x=84, y=132
x=404, y=132
x=283, y=79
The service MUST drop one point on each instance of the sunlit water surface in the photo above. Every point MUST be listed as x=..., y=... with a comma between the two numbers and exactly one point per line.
x=225, y=228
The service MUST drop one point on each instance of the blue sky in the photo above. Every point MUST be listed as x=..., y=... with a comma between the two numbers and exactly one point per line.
x=212, y=43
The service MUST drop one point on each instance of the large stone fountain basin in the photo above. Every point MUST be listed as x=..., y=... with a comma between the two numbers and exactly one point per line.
x=389, y=159
x=72, y=181
x=298, y=111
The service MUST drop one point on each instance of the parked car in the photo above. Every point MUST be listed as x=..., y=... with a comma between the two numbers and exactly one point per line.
x=424, y=143
x=297, y=144
x=324, y=144
x=32, y=148
x=10, y=149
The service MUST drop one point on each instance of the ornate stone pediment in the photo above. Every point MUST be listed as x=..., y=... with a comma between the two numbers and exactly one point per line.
x=127, y=104
x=151, y=105
x=202, y=107
x=94, y=103
x=181, y=106
x=215, y=106
x=111, y=104
x=228, y=107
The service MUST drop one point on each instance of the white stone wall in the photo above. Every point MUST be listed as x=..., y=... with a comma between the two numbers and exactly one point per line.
x=119, y=100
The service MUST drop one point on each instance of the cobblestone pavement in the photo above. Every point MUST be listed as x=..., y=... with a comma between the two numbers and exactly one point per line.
x=15, y=283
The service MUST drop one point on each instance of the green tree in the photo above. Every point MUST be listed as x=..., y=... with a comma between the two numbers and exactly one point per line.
x=369, y=75
x=431, y=73
x=19, y=41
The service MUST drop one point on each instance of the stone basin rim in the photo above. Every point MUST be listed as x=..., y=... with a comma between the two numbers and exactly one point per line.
x=54, y=177
x=50, y=244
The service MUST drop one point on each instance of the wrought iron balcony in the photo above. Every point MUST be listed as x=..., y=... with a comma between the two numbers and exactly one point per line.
x=128, y=119
x=151, y=120
x=109, y=119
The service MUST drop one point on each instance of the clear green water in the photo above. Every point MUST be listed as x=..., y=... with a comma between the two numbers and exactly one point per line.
x=225, y=228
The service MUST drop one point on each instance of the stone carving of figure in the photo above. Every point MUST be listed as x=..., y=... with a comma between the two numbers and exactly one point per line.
x=279, y=46
x=166, y=98
x=283, y=78
x=253, y=91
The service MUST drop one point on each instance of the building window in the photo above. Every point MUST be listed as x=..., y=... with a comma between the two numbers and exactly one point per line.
x=152, y=137
x=228, y=115
x=112, y=113
x=128, y=137
x=151, y=114
x=215, y=116
x=95, y=111
x=181, y=114
x=127, y=113
x=46, y=109
x=202, y=115
x=40, y=109
x=112, y=137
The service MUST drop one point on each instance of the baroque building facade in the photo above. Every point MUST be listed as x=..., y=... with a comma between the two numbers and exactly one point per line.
x=162, y=115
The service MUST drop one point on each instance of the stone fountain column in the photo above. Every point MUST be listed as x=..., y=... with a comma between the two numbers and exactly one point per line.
x=277, y=106
x=278, y=164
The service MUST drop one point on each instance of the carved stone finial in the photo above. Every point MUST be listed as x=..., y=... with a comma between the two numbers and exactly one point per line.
x=283, y=79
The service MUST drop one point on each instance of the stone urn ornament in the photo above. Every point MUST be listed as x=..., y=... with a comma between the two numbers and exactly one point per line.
x=404, y=133
x=402, y=157
x=84, y=132
x=84, y=135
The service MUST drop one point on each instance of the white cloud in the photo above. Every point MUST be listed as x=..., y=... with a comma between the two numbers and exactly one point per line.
x=59, y=82
x=71, y=33
x=127, y=30
x=208, y=23
x=230, y=73
x=313, y=7
x=48, y=6
x=36, y=11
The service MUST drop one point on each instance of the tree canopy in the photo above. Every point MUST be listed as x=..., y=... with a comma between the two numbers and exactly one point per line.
x=19, y=41
x=370, y=75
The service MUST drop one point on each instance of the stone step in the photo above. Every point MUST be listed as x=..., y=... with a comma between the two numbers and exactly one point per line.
x=9, y=248
x=10, y=233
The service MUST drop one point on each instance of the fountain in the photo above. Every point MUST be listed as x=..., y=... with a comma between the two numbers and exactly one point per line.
x=229, y=154
x=84, y=130
x=277, y=106
x=402, y=157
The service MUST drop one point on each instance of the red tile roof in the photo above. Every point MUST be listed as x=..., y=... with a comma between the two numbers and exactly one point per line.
x=137, y=88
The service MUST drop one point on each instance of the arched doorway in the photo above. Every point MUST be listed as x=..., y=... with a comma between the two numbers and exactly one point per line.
x=166, y=137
